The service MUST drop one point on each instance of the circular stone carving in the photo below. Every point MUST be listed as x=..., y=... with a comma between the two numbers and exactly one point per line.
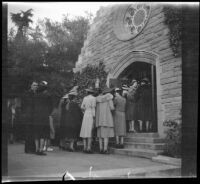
x=130, y=20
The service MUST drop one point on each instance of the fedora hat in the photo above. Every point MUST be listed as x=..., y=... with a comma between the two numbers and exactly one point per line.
x=90, y=89
x=73, y=93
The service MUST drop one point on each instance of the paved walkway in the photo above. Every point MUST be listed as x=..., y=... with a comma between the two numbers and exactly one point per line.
x=56, y=163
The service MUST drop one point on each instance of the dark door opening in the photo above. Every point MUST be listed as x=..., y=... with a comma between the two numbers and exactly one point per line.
x=139, y=70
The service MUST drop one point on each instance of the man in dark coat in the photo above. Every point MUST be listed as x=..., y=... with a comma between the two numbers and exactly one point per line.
x=27, y=113
x=144, y=106
x=42, y=110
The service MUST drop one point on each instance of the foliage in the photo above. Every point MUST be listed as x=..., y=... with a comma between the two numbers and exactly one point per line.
x=47, y=52
x=87, y=78
x=173, y=138
x=173, y=18
x=22, y=21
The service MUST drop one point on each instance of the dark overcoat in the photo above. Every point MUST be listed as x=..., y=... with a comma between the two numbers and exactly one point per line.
x=144, y=105
x=27, y=118
x=41, y=113
x=63, y=112
x=72, y=120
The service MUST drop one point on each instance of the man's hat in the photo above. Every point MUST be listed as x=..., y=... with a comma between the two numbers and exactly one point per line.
x=73, y=93
x=90, y=89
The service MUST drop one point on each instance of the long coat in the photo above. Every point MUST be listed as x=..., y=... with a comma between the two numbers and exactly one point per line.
x=104, y=109
x=63, y=111
x=131, y=104
x=42, y=108
x=88, y=105
x=72, y=119
x=144, y=106
x=27, y=118
x=119, y=115
x=28, y=107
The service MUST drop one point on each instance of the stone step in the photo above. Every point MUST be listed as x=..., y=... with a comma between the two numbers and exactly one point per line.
x=153, y=135
x=151, y=146
x=144, y=140
x=144, y=153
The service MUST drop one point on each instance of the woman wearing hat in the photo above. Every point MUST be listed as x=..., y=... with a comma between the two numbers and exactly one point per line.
x=131, y=115
x=104, y=119
x=119, y=118
x=88, y=105
x=62, y=113
x=72, y=119
x=144, y=109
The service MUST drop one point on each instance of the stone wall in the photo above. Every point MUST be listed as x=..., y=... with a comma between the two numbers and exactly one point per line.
x=103, y=45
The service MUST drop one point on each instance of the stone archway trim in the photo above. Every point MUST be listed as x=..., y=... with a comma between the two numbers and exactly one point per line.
x=133, y=56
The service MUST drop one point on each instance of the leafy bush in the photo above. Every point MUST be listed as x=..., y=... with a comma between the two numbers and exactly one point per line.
x=87, y=78
x=173, y=18
x=173, y=139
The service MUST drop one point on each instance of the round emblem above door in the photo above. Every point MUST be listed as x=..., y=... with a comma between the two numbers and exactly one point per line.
x=130, y=20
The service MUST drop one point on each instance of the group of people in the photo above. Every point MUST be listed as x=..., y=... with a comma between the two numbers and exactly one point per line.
x=139, y=105
x=100, y=116
x=95, y=113
x=106, y=114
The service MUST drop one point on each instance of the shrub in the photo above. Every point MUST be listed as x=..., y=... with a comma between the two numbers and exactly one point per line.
x=173, y=139
x=87, y=78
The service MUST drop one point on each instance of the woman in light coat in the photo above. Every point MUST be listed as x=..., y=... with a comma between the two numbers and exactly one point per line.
x=104, y=119
x=88, y=105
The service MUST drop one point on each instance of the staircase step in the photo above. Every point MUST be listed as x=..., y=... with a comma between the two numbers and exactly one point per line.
x=151, y=146
x=153, y=135
x=144, y=140
x=136, y=152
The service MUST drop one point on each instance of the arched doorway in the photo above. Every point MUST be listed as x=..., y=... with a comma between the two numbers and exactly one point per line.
x=137, y=64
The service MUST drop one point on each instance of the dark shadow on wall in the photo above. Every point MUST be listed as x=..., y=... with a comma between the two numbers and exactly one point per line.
x=190, y=79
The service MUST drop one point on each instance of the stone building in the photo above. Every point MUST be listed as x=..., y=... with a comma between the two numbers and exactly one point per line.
x=133, y=42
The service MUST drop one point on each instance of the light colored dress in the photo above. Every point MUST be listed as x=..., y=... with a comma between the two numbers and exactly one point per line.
x=119, y=115
x=104, y=118
x=88, y=104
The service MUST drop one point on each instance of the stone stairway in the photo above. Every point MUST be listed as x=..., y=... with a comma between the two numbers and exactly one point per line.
x=145, y=145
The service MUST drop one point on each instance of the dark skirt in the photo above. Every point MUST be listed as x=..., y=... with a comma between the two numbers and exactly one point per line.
x=29, y=139
x=69, y=132
x=41, y=131
x=144, y=112
x=131, y=113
